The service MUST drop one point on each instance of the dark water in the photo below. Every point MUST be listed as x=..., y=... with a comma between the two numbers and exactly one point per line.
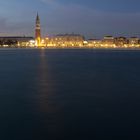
x=69, y=94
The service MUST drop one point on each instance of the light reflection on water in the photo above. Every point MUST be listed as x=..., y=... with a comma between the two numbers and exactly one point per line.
x=49, y=111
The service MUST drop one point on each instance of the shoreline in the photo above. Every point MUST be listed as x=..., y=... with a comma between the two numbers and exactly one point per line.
x=125, y=49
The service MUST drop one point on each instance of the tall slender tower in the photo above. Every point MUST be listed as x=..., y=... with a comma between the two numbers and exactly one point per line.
x=38, y=31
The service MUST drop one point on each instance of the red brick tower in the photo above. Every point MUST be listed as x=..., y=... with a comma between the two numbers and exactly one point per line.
x=38, y=31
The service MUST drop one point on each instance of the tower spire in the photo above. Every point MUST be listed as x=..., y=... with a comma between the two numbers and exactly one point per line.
x=37, y=17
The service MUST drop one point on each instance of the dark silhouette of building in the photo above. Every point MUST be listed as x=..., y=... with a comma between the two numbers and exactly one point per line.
x=13, y=40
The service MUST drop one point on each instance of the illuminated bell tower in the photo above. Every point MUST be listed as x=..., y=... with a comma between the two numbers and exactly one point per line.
x=38, y=31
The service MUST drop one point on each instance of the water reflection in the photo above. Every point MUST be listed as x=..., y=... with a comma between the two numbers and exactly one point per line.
x=48, y=107
x=43, y=80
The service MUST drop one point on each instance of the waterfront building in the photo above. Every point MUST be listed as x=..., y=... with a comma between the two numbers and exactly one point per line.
x=108, y=42
x=65, y=40
x=134, y=42
x=15, y=41
x=38, y=31
x=94, y=43
x=121, y=42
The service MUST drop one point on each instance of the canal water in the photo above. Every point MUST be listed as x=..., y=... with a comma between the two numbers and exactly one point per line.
x=69, y=94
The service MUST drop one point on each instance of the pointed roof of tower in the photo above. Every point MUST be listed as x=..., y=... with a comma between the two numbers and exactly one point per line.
x=37, y=17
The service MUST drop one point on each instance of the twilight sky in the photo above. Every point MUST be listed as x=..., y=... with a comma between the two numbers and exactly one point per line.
x=92, y=18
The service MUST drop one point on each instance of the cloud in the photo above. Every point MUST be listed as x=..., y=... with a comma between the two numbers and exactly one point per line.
x=9, y=28
x=50, y=2
x=80, y=19
x=67, y=18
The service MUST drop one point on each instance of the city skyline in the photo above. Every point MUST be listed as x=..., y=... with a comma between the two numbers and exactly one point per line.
x=93, y=19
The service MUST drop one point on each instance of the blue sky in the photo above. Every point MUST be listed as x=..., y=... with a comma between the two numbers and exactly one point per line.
x=92, y=18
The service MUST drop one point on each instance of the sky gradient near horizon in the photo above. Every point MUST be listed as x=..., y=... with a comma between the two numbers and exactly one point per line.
x=92, y=18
